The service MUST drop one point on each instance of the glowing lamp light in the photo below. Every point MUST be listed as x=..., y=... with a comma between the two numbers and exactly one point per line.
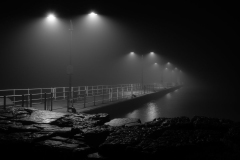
x=51, y=17
x=168, y=63
x=152, y=53
x=92, y=14
x=132, y=53
x=155, y=63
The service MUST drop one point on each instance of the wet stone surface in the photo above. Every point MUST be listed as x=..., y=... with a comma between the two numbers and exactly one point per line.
x=44, y=134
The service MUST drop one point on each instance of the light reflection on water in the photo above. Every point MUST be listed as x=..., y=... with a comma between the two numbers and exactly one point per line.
x=148, y=112
x=151, y=110
x=189, y=101
x=186, y=101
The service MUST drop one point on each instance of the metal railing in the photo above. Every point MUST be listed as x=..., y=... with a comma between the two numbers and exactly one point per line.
x=81, y=96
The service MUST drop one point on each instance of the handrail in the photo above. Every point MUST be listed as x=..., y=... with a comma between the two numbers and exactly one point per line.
x=80, y=95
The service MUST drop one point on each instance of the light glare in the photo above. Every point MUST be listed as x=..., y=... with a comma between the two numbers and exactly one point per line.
x=92, y=14
x=51, y=17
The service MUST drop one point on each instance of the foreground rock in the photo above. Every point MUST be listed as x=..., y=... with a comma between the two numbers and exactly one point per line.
x=123, y=122
x=44, y=134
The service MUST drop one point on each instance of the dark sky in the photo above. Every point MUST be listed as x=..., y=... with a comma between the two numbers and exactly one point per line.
x=199, y=38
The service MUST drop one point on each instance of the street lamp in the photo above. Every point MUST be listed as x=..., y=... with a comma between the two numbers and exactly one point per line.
x=92, y=14
x=161, y=74
x=132, y=53
x=51, y=17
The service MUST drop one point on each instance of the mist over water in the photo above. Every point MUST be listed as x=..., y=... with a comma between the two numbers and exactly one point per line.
x=190, y=100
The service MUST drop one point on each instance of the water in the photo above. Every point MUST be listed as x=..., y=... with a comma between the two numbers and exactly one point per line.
x=186, y=101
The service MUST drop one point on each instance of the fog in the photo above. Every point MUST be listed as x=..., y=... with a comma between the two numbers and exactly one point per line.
x=36, y=54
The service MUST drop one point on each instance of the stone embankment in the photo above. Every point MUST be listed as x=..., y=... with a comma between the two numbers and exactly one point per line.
x=28, y=133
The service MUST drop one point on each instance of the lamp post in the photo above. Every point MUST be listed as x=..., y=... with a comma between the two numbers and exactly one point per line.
x=70, y=69
x=142, y=86
x=142, y=74
x=52, y=17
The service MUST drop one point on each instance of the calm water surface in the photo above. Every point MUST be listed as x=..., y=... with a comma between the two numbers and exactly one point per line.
x=186, y=101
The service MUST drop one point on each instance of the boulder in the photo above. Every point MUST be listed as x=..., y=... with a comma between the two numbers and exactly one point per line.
x=122, y=122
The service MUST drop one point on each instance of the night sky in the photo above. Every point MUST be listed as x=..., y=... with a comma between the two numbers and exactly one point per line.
x=201, y=39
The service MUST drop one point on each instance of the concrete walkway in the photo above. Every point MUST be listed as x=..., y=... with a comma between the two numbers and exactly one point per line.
x=61, y=105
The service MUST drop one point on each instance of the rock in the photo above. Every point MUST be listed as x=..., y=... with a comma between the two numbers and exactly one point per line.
x=96, y=135
x=94, y=156
x=82, y=152
x=122, y=121
x=88, y=136
x=132, y=124
x=42, y=116
x=201, y=122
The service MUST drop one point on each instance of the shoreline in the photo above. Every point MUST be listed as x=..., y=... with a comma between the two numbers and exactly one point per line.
x=88, y=136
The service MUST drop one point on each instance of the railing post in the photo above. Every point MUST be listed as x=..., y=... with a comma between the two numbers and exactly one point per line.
x=131, y=89
x=4, y=101
x=102, y=95
x=41, y=95
x=111, y=94
x=86, y=89
x=51, y=98
x=93, y=98
x=27, y=100
x=64, y=95
x=55, y=93
x=45, y=101
x=23, y=100
x=14, y=97
x=30, y=100
x=117, y=93
x=84, y=100
x=122, y=92
x=72, y=95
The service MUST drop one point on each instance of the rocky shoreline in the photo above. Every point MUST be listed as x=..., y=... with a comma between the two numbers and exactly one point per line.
x=28, y=133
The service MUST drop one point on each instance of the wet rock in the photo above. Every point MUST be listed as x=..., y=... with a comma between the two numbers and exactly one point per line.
x=132, y=124
x=101, y=117
x=88, y=136
x=96, y=135
x=201, y=122
x=177, y=122
x=122, y=121
x=82, y=152
x=82, y=119
x=156, y=122
x=5, y=122
x=94, y=156
x=41, y=116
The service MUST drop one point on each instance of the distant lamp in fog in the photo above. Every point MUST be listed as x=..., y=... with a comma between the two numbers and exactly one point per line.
x=155, y=63
x=51, y=17
x=132, y=53
x=168, y=63
x=152, y=53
